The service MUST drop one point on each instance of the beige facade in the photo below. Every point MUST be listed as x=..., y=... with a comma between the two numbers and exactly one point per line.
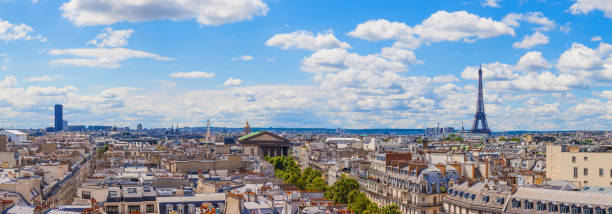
x=564, y=162
x=227, y=162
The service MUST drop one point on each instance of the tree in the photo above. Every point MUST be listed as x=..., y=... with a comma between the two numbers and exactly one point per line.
x=317, y=184
x=390, y=209
x=358, y=202
x=340, y=190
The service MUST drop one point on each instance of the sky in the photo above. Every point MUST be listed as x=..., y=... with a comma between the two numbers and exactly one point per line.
x=547, y=65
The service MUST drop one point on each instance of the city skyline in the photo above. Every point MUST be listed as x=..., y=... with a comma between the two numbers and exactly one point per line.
x=320, y=64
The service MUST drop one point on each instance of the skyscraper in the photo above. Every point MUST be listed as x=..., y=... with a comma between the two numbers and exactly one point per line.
x=59, y=117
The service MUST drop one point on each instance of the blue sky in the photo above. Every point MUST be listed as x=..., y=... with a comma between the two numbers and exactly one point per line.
x=367, y=64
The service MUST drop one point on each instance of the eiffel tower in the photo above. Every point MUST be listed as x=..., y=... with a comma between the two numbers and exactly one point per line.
x=480, y=115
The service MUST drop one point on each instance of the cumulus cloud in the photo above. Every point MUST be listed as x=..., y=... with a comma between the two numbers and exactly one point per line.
x=537, y=18
x=583, y=61
x=586, y=6
x=490, y=3
x=231, y=82
x=101, y=57
x=535, y=77
x=306, y=40
x=192, y=75
x=112, y=38
x=12, y=32
x=208, y=12
x=243, y=58
x=532, y=61
x=596, y=39
x=445, y=79
x=440, y=26
x=381, y=29
x=44, y=78
x=529, y=41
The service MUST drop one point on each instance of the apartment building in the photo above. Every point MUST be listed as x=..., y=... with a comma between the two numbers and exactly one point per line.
x=582, y=165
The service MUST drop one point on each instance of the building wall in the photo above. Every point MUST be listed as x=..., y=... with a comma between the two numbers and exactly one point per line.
x=231, y=162
x=7, y=159
x=560, y=166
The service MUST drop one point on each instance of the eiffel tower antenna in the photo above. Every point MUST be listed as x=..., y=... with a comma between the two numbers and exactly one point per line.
x=480, y=116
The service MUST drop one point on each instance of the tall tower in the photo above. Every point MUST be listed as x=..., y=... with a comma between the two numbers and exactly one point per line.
x=247, y=128
x=480, y=116
x=59, y=117
x=208, y=130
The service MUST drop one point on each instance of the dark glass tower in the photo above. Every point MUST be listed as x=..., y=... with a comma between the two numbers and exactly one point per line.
x=59, y=117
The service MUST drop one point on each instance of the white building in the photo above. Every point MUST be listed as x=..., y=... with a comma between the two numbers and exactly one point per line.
x=15, y=136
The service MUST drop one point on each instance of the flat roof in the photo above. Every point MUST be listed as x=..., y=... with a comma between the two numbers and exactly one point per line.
x=194, y=198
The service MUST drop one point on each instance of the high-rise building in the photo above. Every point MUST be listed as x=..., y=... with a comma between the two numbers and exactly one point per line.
x=139, y=127
x=65, y=125
x=59, y=117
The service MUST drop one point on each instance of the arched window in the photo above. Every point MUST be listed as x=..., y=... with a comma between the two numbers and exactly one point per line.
x=587, y=210
x=576, y=209
x=516, y=203
x=528, y=205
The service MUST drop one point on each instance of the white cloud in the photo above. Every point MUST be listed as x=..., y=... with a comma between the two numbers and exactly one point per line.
x=490, y=3
x=231, y=82
x=440, y=26
x=332, y=60
x=44, y=78
x=192, y=75
x=243, y=58
x=112, y=38
x=605, y=94
x=491, y=71
x=12, y=32
x=207, y=12
x=596, y=39
x=586, y=6
x=381, y=29
x=101, y=57
x=445, y=79
x=306, y=40
x=529, y=41
x=537, y=18
x=532, y=61
x=460, y=25
x=586, y=62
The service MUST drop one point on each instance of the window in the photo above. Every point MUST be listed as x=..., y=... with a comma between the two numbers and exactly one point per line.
x=147, y=189
x=473, y=196
x=112, y=210
x=586, y=158
x=131, y=190
x=601, y=172
x=587, y=210
x=150, y=208
x=112, y=193
x=575, y=209
x=586, y=171
x=541, y=206
x=485, y=199
x=500, y=200
x=85, y=195
x=466, y=196
x=516, y=204
x=600, y=210
x=135, y=209
x=573, y=159
x=575, y=172
x=528, y=205
x=180, y=209
x=564, y=209
x=610, y=172
x=552, y=208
